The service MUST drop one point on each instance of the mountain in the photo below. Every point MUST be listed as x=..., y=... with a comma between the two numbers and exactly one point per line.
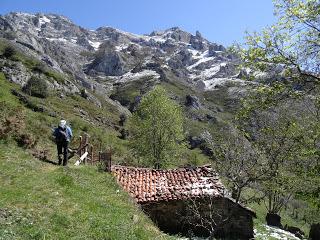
x=92, y=55
x=118, y=67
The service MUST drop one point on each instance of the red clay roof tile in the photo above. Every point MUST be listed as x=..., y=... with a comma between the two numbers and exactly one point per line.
x=151, y=185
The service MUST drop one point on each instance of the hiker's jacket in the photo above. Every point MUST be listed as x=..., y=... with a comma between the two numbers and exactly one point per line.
x=68, y=132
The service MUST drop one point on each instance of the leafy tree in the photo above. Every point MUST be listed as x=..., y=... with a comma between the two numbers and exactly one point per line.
x=157, y=128
x=293, y=42
x=289, y=141
x=280, y=135
x=36, y=87
x=309, y=171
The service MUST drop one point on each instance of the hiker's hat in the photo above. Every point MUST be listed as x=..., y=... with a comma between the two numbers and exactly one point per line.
x=62, y=123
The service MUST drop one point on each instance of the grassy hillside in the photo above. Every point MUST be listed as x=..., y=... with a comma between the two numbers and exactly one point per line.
x=40, y=200
x=39, y=116
x=43, y=201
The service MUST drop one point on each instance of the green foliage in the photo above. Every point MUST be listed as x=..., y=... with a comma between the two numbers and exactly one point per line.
x=293, y=42
x=286, y=136
x=12, y=126
x=55, y=75
x=157, y=128
x=36, y=87
x=42, y=201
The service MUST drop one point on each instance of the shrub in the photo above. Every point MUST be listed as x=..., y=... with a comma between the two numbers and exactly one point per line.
x=12, y=126
x=26, y=140
x=9, y=51
x=36, y=87
x=39, y=67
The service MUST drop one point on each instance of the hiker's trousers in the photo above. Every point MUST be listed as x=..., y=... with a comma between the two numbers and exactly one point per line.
x=62, y=148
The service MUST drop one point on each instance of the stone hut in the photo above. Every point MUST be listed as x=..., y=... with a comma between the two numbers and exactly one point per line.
x=190, y=201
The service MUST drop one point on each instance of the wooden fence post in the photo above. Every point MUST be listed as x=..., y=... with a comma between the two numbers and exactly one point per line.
x=91, y=154
x=86, y=141
x=108, y=163
x=80, y=146
x=105, y=157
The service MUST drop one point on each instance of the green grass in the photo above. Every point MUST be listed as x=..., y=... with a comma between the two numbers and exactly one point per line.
x=286, y=218
x=44, y=201
x=286, y=215
x=40, y=124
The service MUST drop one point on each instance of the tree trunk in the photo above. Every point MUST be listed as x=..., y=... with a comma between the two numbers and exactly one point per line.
x=315, y=232
x=274, y=220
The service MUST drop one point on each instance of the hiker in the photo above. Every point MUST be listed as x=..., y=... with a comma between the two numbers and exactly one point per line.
x=63, y=135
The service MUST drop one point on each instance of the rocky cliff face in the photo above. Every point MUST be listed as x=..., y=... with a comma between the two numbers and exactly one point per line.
x=121, y=66
x=92, y=55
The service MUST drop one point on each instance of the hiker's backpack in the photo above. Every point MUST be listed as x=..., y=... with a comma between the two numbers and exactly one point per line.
x=61, y=135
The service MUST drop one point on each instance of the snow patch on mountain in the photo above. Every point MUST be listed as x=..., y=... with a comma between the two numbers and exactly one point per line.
x=202, y=60
x=57, y=39
x=211, y=84
x=23, y=14
x=44, y=20
x=129, y=76
x=73, y=40
x=195, y=53
x=121, y=47
x=207, y=73
x=95, y=45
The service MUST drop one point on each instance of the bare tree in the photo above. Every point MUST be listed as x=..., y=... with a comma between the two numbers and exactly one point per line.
x=236, y=160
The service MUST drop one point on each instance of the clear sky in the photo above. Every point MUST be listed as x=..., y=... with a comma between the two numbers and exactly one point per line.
x=221, y=21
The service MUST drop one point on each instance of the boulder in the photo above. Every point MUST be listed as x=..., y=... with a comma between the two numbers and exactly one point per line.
x=193, y=102
x=197, y=43
x=134, y=105
x=215, y=47
x=295, y=230
x=198, y=34
x=110, y=63
x=195, y=141
x=211, y=118
x=88, y=96
x=15, y=72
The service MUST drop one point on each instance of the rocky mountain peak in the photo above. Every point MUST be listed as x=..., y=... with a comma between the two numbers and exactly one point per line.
x=92, y=55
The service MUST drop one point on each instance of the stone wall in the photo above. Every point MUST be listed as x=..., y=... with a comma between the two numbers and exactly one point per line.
x=202, y=217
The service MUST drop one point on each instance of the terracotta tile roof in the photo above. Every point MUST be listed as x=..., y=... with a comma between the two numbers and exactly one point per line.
x=151, y=185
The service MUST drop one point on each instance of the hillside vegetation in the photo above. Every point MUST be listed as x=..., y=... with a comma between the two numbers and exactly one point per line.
x=43, y=201
x=40, y=200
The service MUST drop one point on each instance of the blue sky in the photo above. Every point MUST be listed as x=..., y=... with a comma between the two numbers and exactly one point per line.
x=221, y=21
